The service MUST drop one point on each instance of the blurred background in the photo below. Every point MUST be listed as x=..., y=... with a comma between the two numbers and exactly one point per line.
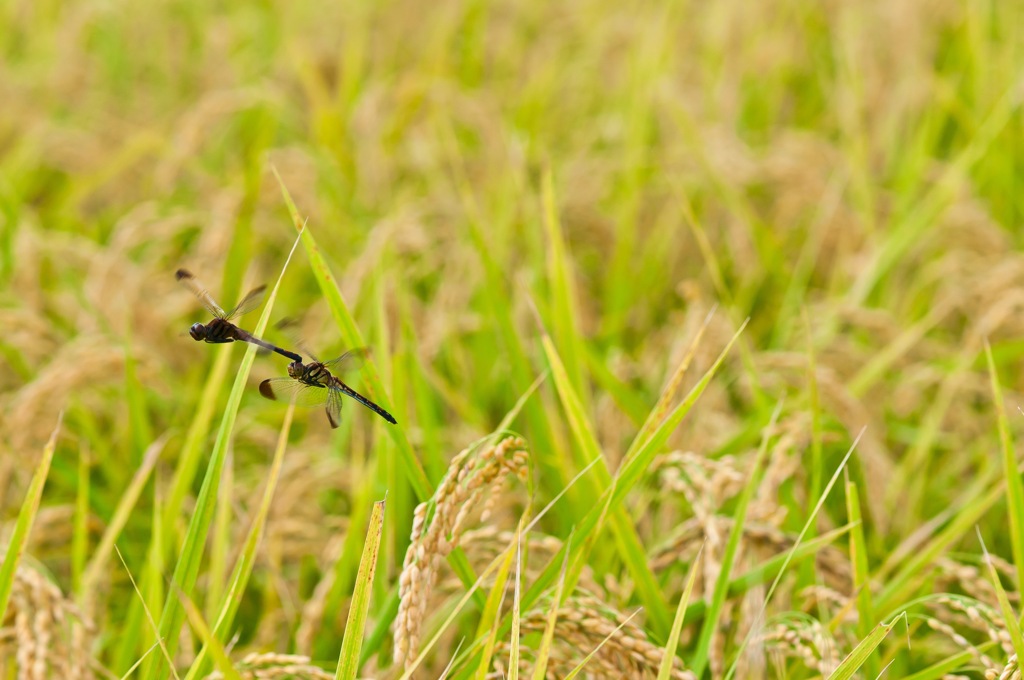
x=845, y=175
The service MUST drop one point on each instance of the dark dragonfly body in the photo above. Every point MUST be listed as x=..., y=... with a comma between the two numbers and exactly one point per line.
x=220, y=329
x=315, y=384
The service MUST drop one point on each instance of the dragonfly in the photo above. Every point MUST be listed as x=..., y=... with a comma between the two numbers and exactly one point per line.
x=318, y=384
x=220, y=329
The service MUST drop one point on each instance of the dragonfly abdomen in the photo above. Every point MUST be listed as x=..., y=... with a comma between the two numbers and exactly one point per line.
x=342, y=387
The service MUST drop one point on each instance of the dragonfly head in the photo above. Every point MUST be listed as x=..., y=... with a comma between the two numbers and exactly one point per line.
x=198, y=331
x=296, y=370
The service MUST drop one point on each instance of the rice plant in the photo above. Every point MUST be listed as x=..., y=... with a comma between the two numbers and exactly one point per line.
x=700, y=325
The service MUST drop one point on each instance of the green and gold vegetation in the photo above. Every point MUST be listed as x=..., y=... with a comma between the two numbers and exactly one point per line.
x=702, y=324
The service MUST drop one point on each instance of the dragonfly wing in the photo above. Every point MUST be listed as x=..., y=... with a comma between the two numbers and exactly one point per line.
x=334, y=408
x=349, y=362
x=250, y=302
x=189, y=280
x=290, y=327
x=289, y=389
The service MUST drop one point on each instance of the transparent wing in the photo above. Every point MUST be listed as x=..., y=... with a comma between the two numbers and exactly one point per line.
x=290, y=327
x=286, y=389
x=250, y=302
x=189, y=280
x=348, y=363
x=334, y=408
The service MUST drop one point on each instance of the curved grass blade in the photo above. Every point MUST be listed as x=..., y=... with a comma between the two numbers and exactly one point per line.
x=855, y=659
x=80, y=522
x=26, y=515
x=1014, y=486
x=149, y=614
x=665, y=670
x=220, y=656
x=243, y=568
x=513, y=658
x=1012, y=623
x=579, y=667
x=631, y=548
x=348, y=663
x=859, y=564
x=543, y=652
x=564, y=310
x=98, y=562
x=351, y=337
x=628, y=475
x=711, y=618
x=187, y=569
x=487, y=629
x=943, y=668
x=792, y=551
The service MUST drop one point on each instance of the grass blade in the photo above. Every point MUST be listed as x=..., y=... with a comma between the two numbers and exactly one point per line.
x=187, y=569
x=351, y=336
x=943, y=668
x=488, y=626
x=711, y=618
x=348, y=663
x=859, y=564
x=579, y=667
x=1012, y=624
x=517, y=603
x=98, y=562
x=541, y=666
x=80, y=532
x=26, y=515
x=855, y=659
x=1014, y=486
x=631, y=548
x=220, y=656
x=243, y=568
x=629, y=474
x=149, y=614
x=789, y=555
x=665, y=670
x=460, y=605
x=563, y=296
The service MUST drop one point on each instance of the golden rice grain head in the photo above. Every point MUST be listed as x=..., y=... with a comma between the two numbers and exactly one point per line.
x=954, y=636
x=582, y=624
x=273, y=666
x=1011, y=671
x=44, y=631
x=438, y=526
x=805, y=640
x=967, y=615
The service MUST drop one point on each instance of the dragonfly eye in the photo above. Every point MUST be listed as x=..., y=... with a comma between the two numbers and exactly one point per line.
x=198, y=331
x=295, y=369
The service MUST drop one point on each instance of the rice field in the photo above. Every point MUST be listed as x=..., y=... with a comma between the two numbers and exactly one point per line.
x=701, y=323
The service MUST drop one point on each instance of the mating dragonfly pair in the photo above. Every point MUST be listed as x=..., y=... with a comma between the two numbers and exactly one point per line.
x=312, y=384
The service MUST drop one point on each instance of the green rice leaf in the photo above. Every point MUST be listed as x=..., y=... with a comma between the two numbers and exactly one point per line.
x=187, y=569
x=351, y=336
x=712, y=615
x=1009, y=616
x=671, y=647
x=348, y=663
x=244, y=566
x=1014, y=485
x=855, y=659
x=26, y=516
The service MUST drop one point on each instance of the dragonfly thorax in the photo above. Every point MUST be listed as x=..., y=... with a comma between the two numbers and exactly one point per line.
x=314, y=374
